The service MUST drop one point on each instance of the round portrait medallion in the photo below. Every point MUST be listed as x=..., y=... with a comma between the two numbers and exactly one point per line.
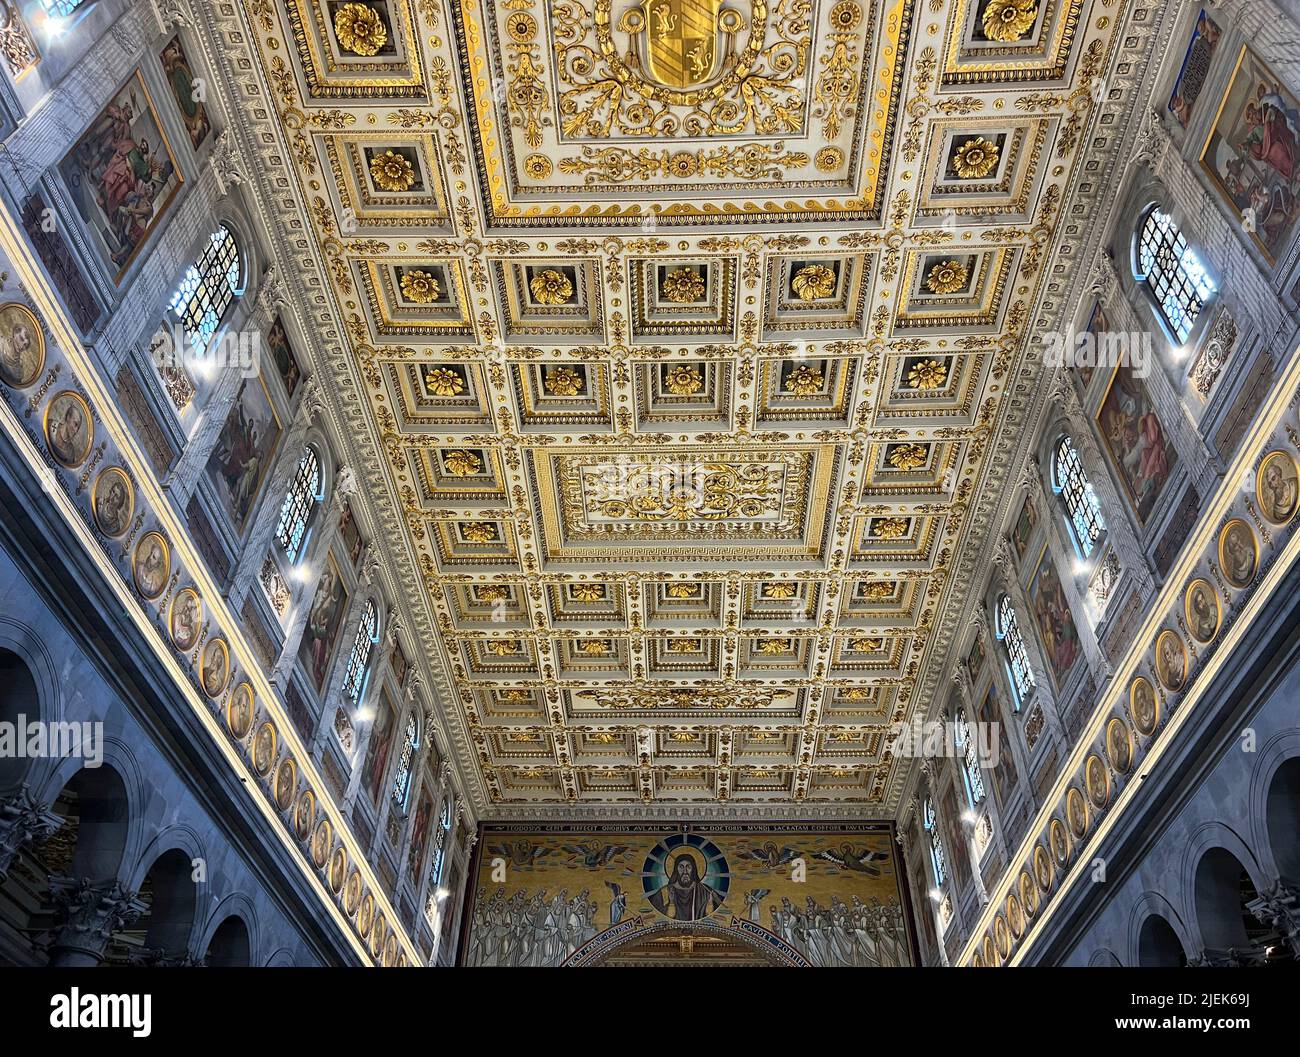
x=239, y=712
x=338, y=871
x=113, y=502
x=365, y=914
x=685, y=877
x=151, y=565
x=1076, y=810
x=1015, y=919
x=1059, y=839
x=1001, y=936
x=352, y=893
x=184, y=619
x=1202, y=609
x=390, y=950
x=1028, y=894
x=1043, y=869
x=1119, y=745
x=1097, y=781
x=990, y=952
x=1171, y=660
x=214, y=667
x=264, y=742
x=304, y=815
x=322, y=840
x=286, y=783
x=1144, y=706
x=377, y=936
x=1277, y=487
x=1238, y=553
x=69, y=429
x=22, y=346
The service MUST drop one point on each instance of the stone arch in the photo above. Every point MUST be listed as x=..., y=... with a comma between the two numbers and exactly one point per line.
x=28, y=688
x=1274, y=806
x=231, y=935
x=162, y=933
x=1148, y=944
x=1104, y=958
x=1214, y=860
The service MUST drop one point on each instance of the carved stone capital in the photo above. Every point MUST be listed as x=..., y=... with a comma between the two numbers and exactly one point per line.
x=23, y=821
x=227, y=162
x=86, y=914
x=1153, y=142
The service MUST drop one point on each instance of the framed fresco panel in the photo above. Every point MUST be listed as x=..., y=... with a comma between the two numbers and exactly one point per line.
x=122, y=174
x=1056, y=626
x=1196, y=64
x=379, y=748
x=324, y=620
x=187, y=91
x=242, y=457
x=1134, y=440
x=1250, y=154
x=285, y=359
x=1023, y=530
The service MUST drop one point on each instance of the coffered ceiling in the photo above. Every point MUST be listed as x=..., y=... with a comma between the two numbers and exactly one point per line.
x=685, y=330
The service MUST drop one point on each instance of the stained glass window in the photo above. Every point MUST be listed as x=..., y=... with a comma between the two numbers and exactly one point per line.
x=970, y=758
x=1086, y=522
x=1173, y=272
x=358, y=660
x=58, y=8
x=1022, y=676
x=937, y=861
x=304, y=493
x=440, y=841
x=207, y=289
x=402, y=778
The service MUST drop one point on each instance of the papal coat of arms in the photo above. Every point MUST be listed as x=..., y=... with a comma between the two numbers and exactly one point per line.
x=682, y=44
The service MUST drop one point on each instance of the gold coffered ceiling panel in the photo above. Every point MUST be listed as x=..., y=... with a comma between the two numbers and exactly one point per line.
x=686, y=331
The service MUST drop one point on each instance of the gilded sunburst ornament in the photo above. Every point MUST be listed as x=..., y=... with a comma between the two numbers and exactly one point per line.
x=683, y=590
x=856, y=693
x=420, y=287
x=503, y=647
x=975, y=158
x=772, y=646
x=928, y=374
x=889, y=528
x=492, y=593
x=479, y=532
x=392, y=171
x=587, y=593
x=906, y=456
x=780, y=590
x=515, y=697
x=947, y=277
x=682, y=286
x=683, y=165
x=360, y=29
x=683, y=735
x=684, y=646
x=551, y=287
x=1008, y=20
x=563, y=381
x=462, y=463
x=813, y=282
x=865, y=645
x=683, y=380
x=442, y=381
x=879, y=591
x=603, y=737
x=595, y=647
x=804, y=380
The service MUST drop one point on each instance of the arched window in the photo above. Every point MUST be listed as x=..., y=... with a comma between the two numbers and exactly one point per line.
x=304, y=493
x=402, y=777
x=1071, y=483
x=354, y=678
x=1173, y=273
x=931, y=822
x=970, y=761
x=1022, y=676
x=440, y=842
x=207, y=289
